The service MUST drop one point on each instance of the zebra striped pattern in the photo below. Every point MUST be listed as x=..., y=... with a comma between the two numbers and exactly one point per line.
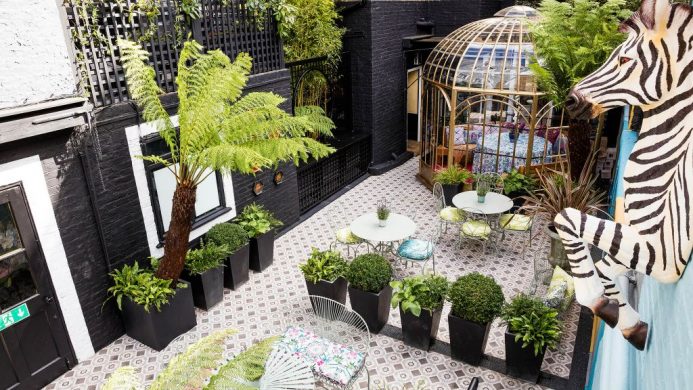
x=652, y=69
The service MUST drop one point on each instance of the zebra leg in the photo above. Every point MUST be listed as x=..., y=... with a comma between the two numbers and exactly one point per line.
x=625, y=316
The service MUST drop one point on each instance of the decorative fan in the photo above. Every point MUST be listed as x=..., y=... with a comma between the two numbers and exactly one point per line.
x=283, y=371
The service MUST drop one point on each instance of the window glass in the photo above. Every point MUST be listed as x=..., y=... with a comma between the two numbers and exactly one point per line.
x=16, y=281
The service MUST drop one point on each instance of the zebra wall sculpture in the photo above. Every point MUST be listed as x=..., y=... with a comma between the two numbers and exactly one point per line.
x=652, y=69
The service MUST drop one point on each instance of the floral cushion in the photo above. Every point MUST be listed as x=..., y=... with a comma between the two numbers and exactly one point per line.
x=517, y=222
x=451, y=214
x=345, y=236
x=332, y=362
x=415, y=249
x=476, y=229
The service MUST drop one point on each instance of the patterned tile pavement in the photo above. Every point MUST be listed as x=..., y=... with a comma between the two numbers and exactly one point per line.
x=255, y=309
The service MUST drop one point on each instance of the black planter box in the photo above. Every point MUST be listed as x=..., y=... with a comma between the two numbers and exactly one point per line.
x=335, y=290
x=156, y=329
x=207, y=287
x=467, y=339
x=262, y=251
x=237, y=268
x=374, y=308
x=419, y=332
x=449, y=192
x=521, y=362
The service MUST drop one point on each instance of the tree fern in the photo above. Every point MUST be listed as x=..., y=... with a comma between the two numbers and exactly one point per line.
x=247, y=366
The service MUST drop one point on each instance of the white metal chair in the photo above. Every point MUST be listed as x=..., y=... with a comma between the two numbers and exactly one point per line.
x=446, y=214
x=342, y=232
x=420, y=250
x=518, y=222
x=476, y=227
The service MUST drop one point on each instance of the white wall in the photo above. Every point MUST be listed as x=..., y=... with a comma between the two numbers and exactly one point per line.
x=34, y=59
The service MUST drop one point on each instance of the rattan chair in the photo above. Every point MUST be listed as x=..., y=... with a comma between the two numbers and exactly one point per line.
x=343, y=237
x=420, y=249
x=447, y=215
x=476, y=227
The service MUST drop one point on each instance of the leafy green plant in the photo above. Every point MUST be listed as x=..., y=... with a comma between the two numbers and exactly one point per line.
x=521, y=304
x=246, y=367
x=476, y=298
x=314, y=31
x=516, y=182
x=533, y=323
x=453, y=175
x=382, y=210
x=369, y=272
x=257, y=220
x=230, y=234
x=324, y=265
x=207, y=257
x=220, y=129
x=141, y=286
x=415, y=293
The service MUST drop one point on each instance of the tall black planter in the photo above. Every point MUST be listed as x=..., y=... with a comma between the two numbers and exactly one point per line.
x=374, y=308
x=262, y=251
x=207, y=287
x=335, y=290
x=156, y=329
x=237, y=266
x=449, y=192
x=521, y=362
x=419, y=332
x=467, y=339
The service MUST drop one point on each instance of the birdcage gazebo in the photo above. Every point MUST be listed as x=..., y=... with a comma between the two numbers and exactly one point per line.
x=482, y=108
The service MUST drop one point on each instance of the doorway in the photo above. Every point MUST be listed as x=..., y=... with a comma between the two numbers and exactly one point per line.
x=413, y=109
x=34, y=344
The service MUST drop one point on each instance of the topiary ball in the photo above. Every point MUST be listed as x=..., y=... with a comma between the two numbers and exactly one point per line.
x=230, y=234
x=476, y=298
x=369, y=272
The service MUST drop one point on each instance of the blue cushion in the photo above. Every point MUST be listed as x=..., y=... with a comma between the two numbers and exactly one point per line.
x=415, y=249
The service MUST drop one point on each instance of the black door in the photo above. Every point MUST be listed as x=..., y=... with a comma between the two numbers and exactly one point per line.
x=34, y=347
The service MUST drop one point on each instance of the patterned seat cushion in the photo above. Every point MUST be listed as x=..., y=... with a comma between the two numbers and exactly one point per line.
x=476, y=229
x=415, y=249
x=451, y=214
x=345, y=236
x=332, y=362
x=517, y=222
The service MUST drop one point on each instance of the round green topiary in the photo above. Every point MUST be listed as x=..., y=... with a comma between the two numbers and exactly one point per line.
x=229, y=234
x=369, y=272
x=476, y=298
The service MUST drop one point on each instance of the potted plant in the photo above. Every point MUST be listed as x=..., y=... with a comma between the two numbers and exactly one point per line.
x=383, y=213
x=450, y=179
x=237, y=261
x=517, y=185
x=482, y=188
x=532, y=328
x=476, y=300
x=324, y=273
x=204, y=269
x=155, y=311
x=420, y=300
x=259, y=223
x=369, y=276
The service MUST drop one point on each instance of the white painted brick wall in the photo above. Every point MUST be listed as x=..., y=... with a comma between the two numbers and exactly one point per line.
x=34, y=62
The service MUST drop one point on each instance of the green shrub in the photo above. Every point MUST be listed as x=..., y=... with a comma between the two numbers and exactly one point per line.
x=532, y=322
x=415, y=293
x=324, y=265
x=141, y=286
x=516, y=182
x=207, y=257
x=369, y=272
x=257, y=220
x=229, y=234
x=453, y=175
x=476, y=298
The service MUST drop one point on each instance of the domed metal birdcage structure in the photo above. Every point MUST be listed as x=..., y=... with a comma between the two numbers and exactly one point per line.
x=478, y=82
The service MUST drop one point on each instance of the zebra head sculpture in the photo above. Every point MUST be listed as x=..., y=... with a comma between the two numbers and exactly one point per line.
x=652, y=69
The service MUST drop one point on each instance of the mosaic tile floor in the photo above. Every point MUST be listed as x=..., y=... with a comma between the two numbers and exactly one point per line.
x=254, y=308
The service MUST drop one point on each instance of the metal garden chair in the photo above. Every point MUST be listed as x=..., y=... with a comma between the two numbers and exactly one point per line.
x=420, y=250
x=476, y=227
x=342, y=232
x=517, y=222
x=446, y=214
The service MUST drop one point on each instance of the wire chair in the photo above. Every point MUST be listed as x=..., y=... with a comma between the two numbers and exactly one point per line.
x=342, y=232
x=519, y=222
x=420, y=249
x=447, y=215
x=476, y=227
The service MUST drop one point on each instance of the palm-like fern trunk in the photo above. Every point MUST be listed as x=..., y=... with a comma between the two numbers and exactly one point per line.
x=176, y=245
x=579, y=131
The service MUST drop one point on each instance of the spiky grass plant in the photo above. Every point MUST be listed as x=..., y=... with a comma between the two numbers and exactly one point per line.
x=219, y=129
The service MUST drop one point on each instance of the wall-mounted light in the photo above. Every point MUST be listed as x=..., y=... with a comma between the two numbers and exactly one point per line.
x=258, y=186
x=278, y=177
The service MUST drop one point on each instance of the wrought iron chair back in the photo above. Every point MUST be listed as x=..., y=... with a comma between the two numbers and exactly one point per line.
x=476, y=226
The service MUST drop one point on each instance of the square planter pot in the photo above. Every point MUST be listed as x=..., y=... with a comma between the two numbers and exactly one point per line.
x=449, y=192
x=335, y=290
x=374, y=308
x=237, y=268
x=521, y=362
x=419, y=332
x=207, y=287
x=156, y=329
x=467, y=339
x=262, y=251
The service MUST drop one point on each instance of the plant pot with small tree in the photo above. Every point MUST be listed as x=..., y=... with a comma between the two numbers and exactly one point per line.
x=324, y=273
x=451, y=178
x=369, y=276
x=532, y=329
x=237, y=262
x=420, y=300
x=154, y=310
x=204, y=269
x=259, y=223
x=476, y=300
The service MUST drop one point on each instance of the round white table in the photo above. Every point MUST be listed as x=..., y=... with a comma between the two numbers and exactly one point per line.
x=494, y=204
x=399, y=227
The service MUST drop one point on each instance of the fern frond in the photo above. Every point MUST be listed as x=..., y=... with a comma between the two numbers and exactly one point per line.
x=233, y=158
x=124, y=378
x=247, y=366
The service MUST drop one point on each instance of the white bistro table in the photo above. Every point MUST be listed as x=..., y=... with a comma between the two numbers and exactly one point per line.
x=398, y=228
x=494, y=204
